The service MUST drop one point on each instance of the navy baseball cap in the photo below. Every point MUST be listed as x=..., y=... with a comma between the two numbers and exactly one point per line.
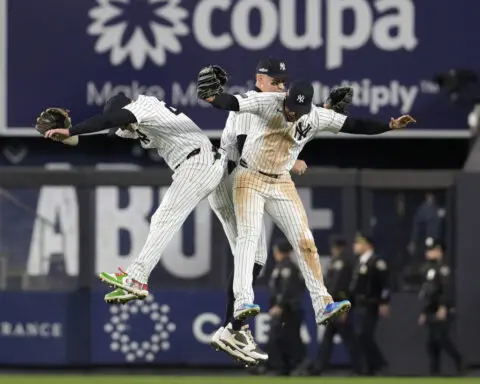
x=299, y=98
x=366, y=239
x=272, y=67
x=116, y=102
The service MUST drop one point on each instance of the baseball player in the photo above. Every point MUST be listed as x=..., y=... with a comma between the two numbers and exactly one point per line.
x=198, y=169
x=270, y=77
x=284, y=123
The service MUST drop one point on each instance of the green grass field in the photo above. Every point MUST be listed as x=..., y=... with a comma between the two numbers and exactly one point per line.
x=139, y=379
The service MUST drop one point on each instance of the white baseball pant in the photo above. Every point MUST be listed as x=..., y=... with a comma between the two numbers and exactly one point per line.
x=255, y=194
x=192, y=182
x=221, y=202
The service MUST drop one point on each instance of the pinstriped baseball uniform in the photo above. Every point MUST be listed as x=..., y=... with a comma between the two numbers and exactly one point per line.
x=271, y=148
x=176, y=138
x=221, y=199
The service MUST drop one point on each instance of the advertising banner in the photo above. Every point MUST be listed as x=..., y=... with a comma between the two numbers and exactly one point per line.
x=46, y=237
x=33, y=328
x=388, y=50
x=175, y=327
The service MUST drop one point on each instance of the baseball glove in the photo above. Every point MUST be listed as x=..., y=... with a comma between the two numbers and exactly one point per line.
x=210, y=81
x=53, y=118
x=339, y=99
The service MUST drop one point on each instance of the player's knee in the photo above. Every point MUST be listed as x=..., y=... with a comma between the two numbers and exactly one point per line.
x=307, y=246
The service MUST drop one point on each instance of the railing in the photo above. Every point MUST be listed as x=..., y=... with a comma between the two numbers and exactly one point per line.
x=44, y=222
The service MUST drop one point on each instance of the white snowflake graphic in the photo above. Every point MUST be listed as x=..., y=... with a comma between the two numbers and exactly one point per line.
x=138, y=350
x=138, y=29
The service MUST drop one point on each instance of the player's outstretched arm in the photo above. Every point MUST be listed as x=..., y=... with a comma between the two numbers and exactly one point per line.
x=373, y=127
x=97, y=123
x=210, y=82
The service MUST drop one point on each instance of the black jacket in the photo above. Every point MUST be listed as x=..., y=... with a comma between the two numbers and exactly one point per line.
x=370, y=284
x=339, y=276
x=436, y=290
x=286, y=286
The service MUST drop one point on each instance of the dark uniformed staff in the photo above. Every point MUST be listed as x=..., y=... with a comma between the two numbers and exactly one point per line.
x=286, y=349
x=438, y=309
x=371, y=296
x=338, y=280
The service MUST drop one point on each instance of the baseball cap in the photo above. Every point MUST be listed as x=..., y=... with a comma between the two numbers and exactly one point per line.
x=272, y=67
x=299, y=98
x=116, y=102
x=363, y=238
x=338, y=241
x=284, y=246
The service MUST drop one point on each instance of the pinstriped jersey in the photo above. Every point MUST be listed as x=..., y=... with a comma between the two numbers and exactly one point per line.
x=163, y=127
x=273, y=144
x=237, y=124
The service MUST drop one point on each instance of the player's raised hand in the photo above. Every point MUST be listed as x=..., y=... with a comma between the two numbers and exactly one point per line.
x=401, y=122
x=57, y=134
x=300, y=167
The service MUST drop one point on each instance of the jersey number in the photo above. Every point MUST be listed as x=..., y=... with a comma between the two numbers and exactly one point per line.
x=143, y=138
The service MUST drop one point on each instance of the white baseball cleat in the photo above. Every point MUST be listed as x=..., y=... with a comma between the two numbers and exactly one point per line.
x=242, y=341
x=218, y=344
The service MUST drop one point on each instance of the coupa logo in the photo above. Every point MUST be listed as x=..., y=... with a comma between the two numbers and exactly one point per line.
x=141, y=29
x=135, y=338
x=138, y=29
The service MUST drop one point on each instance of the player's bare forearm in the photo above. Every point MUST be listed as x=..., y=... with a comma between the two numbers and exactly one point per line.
x=103, y=122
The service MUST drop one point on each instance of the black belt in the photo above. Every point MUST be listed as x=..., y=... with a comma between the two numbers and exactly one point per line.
x=244, y=164
x=196, y=151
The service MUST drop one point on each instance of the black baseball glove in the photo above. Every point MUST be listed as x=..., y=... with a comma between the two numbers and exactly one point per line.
x=52, y=118
x=210, y=81
x=339, y=99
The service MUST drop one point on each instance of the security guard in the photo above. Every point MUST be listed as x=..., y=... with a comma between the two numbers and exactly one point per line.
x=438, y=309
x=371, y=297
x=338, y=279
x=285, y=349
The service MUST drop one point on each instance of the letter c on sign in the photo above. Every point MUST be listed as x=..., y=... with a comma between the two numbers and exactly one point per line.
x=199, y=323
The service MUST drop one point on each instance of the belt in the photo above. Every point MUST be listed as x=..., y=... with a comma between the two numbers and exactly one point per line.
x=244, y=164
x=195, y=152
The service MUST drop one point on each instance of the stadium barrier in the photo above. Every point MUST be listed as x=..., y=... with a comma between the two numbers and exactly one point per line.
x=80, y=329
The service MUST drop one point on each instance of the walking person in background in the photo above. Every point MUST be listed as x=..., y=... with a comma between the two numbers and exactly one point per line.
x=338, y=279
x=371, y=296
x=285, y=348
x=438, y=309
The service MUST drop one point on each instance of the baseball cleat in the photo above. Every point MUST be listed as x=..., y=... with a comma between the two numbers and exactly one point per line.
x=242, y=341
x=333, y=310
x=215, y=342
x=246, y=311
x=119, y=296
x=123, y=281
x=237, y=355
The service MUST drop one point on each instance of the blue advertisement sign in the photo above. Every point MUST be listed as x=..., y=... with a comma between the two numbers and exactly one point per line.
x=169, y=327
x=176, y=327
x=33, y=328
x=388, y=50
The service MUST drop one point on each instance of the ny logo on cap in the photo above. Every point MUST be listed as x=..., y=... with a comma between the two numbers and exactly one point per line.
x=301, y=99
x=282, y=67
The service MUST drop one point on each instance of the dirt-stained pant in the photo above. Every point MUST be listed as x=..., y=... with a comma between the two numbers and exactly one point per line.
x=255, y=194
